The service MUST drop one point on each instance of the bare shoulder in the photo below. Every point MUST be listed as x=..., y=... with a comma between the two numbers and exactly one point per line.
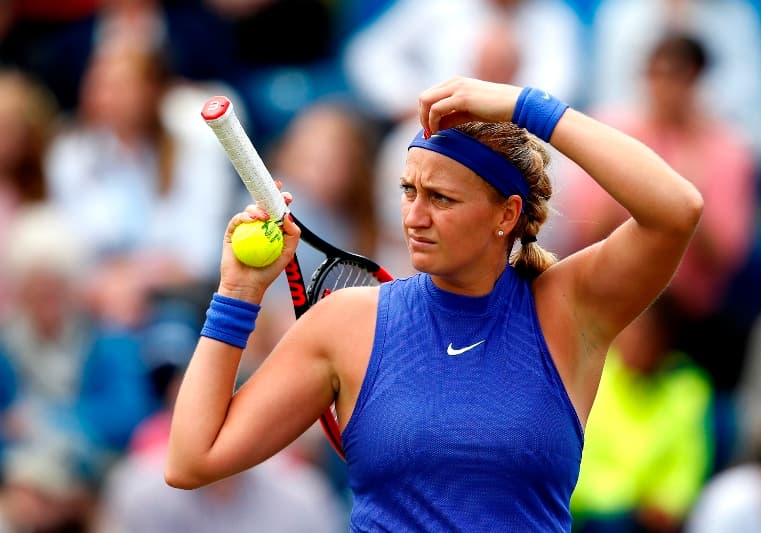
x=553, y=294
x=577, y=346
x=561, y=305
x=336, y=327
x=348, y=300
x=342, y=327
x=343, y=312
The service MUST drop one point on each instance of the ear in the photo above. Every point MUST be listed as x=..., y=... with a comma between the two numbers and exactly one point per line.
x=510, y=213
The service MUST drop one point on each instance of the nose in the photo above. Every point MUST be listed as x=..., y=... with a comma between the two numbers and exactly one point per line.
x=415, y=212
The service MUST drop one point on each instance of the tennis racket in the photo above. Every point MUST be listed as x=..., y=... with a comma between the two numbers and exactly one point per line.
x=338, y=270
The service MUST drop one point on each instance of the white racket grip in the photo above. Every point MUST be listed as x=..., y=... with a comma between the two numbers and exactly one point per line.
x=219, y=114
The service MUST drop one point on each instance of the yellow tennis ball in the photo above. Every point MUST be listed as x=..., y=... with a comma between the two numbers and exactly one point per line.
x=258, y=243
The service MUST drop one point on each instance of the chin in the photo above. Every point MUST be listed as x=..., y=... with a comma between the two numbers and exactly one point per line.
x=421, y=262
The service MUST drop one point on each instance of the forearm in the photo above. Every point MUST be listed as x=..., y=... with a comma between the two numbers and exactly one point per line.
x=200, y=411
x=203, y=402
x=635, y=176
x=197, y=453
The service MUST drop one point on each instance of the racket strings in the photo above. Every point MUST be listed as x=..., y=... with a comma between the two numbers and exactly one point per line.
x=344, y=274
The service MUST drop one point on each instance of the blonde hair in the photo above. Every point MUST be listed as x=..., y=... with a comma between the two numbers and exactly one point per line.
x=529, y=156
x=36, y=109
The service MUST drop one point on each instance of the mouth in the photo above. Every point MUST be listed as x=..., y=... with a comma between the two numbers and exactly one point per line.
x=418, y=240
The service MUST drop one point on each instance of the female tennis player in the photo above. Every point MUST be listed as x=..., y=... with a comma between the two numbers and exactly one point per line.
x=461, y=392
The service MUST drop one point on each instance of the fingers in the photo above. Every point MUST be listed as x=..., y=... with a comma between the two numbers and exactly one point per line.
x=288, y=197
x=460, y=100
x=291, y=233
x=430, y=115
x=249, y=214
x=455, y=119
x=256, y=212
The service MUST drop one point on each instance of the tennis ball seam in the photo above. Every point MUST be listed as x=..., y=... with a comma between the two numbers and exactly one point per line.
x=257, y=243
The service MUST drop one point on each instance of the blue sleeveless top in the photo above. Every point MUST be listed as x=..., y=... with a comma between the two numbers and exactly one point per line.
x=462, y=422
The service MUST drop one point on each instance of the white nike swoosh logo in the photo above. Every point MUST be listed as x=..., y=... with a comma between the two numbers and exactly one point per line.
x=458, y=351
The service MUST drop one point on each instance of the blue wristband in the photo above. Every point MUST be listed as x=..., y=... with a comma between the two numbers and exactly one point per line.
x=538, y=112
x=229, y=320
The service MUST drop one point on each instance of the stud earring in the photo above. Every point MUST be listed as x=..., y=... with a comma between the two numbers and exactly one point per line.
x=500, y=233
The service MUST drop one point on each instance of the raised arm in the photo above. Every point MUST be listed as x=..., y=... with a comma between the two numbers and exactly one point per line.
x=217, y=431
x=635, y=263
x=594, y=293
x=620, y=276
x=585, y=300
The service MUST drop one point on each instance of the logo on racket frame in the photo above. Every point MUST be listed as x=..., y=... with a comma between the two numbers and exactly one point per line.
x=295, y=283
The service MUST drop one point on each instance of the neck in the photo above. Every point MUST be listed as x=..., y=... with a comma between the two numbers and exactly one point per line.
x=472, y=282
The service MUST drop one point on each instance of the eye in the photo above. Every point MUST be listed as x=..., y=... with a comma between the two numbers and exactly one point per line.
x=441, y=199
x=407, y=190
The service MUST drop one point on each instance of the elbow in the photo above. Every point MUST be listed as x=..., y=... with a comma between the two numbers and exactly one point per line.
x=683, y=213
x=182, y=477
x=180, y=480
x=693, y=208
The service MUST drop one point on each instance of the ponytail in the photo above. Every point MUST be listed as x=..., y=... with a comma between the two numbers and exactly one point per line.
x=530, y=259
x=529, y=155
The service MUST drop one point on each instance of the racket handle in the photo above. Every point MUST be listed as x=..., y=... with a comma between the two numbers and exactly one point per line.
x=219, y=114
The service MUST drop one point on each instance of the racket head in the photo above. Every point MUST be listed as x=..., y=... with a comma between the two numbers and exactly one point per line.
x=349, y=270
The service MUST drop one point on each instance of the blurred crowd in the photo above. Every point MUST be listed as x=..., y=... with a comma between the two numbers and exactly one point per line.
x=114, y=196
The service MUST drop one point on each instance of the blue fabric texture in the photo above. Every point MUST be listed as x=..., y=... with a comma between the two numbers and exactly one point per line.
x=230, y=320
x=492, y=166
x=462, y=422
x=538, y=112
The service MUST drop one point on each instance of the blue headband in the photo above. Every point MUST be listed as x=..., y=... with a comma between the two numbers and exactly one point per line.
x=487, y=163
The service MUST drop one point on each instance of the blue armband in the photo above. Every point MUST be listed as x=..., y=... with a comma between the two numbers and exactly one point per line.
x=229, y=320
x=538, y=112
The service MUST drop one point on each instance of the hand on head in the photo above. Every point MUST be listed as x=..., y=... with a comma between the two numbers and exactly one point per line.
x=460, y=100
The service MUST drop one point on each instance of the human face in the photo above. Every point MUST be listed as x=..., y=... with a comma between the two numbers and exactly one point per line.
x=671, y=89
x=451, y=217
x=120, y=92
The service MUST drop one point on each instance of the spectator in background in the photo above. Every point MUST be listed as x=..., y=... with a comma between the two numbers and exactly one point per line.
x=28, y=113
x=625, y=31
x=749, y=398
x=142, y=190
x=282, y=495
x=730, y=502
x=73, y=389
x=51, y=39
x=143, y=20
x=709, y=152
x=326, y=156
x=414, y=45
x=647, y=452
x=279, y=55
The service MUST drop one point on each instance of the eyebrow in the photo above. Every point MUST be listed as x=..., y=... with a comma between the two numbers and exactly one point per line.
x=436, y=188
